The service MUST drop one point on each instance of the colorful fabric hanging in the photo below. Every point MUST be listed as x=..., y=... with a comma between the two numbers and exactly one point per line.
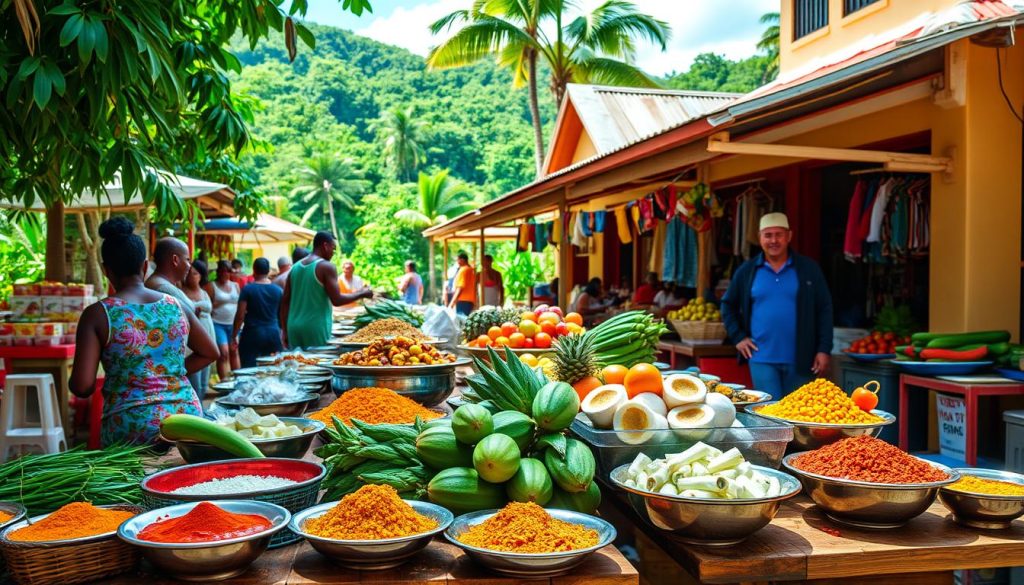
x=585, y=225
x=522, y=238
x=540, y=237
x=599, y=219
x=622, y=224
x=658, y=244
x=680, y=254
x=579, y=239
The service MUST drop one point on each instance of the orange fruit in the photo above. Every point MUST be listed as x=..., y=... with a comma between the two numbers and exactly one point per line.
x=614, y=374
x=642, y=378
x=501, y=341
x=574, y=318
x=528, y=316
x=483, y=341
x=542, y=340
x=586, y=385
x=517, y=339
x=508, y=328
x=494, y=332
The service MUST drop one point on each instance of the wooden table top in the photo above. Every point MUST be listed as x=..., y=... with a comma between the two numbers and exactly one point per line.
x=440, y=562
x=696, y=350
x=802, y=544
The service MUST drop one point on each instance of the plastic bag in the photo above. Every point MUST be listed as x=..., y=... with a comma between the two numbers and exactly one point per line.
x=441, y=323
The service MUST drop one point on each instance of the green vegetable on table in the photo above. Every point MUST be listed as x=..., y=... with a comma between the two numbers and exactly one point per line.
x=627, y=339
x=197, y=428
x=955, y=340
x=388, y=308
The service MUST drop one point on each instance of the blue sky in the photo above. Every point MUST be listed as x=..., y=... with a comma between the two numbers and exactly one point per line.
x=728, y=27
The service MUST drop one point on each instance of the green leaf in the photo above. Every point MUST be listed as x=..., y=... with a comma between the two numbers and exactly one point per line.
x=28, y=67
x=70, y=30
x=65, y=9
x=86, y=42
x=555, y=441
x=99, y=33
x=305, y=34
x=42, y=88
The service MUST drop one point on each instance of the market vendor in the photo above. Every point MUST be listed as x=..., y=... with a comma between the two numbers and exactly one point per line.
x=140, y=336
x=778, y=312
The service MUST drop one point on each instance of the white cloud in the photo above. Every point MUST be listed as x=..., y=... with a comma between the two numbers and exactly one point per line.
x=407, y=27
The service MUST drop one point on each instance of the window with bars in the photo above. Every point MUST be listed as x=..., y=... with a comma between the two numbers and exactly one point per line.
x=809, y=16
x=851, y=6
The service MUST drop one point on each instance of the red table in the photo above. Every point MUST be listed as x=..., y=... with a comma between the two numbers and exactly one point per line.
x=54, y=360
x=970, y=392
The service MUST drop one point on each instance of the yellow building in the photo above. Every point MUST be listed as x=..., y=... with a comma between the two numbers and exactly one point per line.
x=888, y=86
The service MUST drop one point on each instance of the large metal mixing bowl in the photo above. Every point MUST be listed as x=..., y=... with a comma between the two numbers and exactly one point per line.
x=290, y=408
x=984, y=510
x=371, y=555
x=704, y=521
x=205, y=561
x=293, y=447
x=428, y=385
x=869, y=505
x=808, y=436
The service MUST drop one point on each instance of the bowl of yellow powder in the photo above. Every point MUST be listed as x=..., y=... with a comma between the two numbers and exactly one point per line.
x=527, y=541
x=985, y=498
x=372, y=528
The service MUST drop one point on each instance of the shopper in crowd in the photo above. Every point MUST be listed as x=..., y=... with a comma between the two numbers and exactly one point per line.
x=224, y=293
x=463, y=297
x=778, y=312
x=140, y=336
x=588, y=303
x=195, y=284
x=647, y=290
x=449, y=283
x=348, y=282
x=256, y=317
x=410, y=285
x=669, y=297
x=238, y=273
x=494, y=288
x=284, y=264
x=299, y=253
x=311, y=291
x=172, y=265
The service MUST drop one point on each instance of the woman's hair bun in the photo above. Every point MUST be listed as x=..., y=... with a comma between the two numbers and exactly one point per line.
x=116, y=227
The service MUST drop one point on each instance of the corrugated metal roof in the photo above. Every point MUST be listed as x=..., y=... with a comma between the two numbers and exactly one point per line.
x=616, y=116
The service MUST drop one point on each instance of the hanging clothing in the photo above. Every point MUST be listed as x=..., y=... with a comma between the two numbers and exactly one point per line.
x=540, y=236
x=622, y=225
x=680, y=253
x=599, y=219
x=522, y=238
x=557, y=229
x=851, y=243
x=878, y=211
x=646, y=213
x=579, y=239
x=657, y=261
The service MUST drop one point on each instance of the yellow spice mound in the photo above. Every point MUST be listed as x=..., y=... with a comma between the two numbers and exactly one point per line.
x=74, y=520
x=978, y=485
x=373, y=512
x=527, y=528
x=819, y=401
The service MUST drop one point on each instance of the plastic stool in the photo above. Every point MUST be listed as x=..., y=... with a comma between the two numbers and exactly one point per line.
x=16, y=429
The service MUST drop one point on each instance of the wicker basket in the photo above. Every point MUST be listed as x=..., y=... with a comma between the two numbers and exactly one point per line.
x=700, y=332
x=66, y=563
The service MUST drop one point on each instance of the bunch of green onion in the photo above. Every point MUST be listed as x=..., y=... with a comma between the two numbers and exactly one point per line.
x=43, y=483
x=702, y=471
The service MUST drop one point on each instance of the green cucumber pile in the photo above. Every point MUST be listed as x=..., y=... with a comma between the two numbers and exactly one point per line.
x=627, y=339
x=958, y=347
x=388, y=308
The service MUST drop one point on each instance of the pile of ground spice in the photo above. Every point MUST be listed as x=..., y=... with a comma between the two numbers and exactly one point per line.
x=993, y=487
x=868, y=459
x=74, y=520
x=205, y=522
x=389, y=327
x=528, y=528
x=373, y=512
x=819, y=401
x=5, y=517
x=374, y=406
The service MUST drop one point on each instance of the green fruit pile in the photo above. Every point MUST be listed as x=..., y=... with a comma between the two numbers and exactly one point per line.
x=485, y=457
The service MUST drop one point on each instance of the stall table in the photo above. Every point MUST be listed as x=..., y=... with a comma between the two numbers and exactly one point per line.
x=802, y=545
x=694, y=351
x=54, y=360
x=970, y=392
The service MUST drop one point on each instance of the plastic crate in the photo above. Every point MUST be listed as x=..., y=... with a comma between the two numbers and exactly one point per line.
x=1014, y=440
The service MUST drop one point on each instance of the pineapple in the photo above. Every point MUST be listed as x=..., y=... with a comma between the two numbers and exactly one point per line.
x=481, y=320
x=574, y=358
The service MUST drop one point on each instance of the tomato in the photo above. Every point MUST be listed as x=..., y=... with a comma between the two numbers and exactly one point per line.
x=889, y=336
x=494, y=332
x=574, y=318
x=508, y=328
x=542, y=340
x=528, y=343
x=548, y=327
x=516, y=340
x=561, y=329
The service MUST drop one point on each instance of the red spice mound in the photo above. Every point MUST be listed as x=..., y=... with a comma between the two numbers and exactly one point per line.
x=204, y=523
x=867, y=459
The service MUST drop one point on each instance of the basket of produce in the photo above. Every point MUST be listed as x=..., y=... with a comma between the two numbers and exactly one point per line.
x=525, y=331
x=371, y=529
x=287, y=437
x=866, y=482
x=985, y=498
x=372, y=406
x=703, y=495
x=205, y=541
x=386, y=308
x=551, y=542
x=821, y=413
x=699, y=322
x=290, y=483
x=75, y=544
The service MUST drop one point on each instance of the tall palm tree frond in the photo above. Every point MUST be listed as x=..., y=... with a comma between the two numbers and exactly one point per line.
x=605, y=71
x=484, y=36
x=614, y=27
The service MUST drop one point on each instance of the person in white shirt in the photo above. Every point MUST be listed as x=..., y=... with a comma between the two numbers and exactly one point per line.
x=348, y=282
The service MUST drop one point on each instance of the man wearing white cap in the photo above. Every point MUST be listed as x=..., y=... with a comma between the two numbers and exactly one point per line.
x=778, y=312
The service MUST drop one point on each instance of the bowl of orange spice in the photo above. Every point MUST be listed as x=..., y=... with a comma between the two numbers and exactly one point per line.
x=371, y=528
x=10, y=512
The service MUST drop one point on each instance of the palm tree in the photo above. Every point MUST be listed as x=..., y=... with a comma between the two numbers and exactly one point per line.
x=403, y=137
x=441, y=197
x=769, y=44
x=597, y=47
x=326, y=180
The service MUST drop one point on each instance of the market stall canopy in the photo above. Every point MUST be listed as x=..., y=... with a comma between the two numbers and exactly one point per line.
x=266, y=229
x=214, y=199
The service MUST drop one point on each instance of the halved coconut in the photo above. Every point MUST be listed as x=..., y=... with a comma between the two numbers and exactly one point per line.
x=652, y=401
x=680, y=389
x=638, y=417
x=602, y=402
x=691, y=416
x=725, y=411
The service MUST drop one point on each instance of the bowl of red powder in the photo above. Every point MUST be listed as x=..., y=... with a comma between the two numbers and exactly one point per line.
x=866, y=482
x=201, y=541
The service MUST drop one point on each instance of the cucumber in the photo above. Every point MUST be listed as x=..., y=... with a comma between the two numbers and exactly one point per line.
x=999, y=349
x=961, y=339
x=196, y=428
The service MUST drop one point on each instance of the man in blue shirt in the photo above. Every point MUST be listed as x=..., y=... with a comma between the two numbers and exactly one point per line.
x=778, y=312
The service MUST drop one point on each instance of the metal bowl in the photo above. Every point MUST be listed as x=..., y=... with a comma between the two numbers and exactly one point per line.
x=303, y=370
x=354, y=345
x=870, y=505
x=808, y=436
x=984, y=510
x=529, y=565
x=205, y=561
x=371, y=555
x=485, y=356
x=290, y=408
x=704, y=521
x=293, y=447
x=306, y=385
x=760, y=397
x=270, y=360
x=428, y=385
x=16, y=510
x=329, y=350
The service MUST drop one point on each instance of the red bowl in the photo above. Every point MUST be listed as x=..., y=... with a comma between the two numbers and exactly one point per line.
x=297, y=470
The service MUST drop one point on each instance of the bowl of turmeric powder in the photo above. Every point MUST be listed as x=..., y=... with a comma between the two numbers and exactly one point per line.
x=985, y=498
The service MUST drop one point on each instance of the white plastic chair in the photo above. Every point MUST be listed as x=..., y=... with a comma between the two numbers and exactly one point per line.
x=20, y=431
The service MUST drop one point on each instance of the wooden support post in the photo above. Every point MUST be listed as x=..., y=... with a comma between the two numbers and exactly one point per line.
x=564, y=252
x=444, y=271
x=56, y=263
x=480, y=269
x=431, y=269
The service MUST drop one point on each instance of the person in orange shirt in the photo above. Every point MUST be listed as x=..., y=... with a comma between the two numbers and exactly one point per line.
x=463, y=297
x=349, y=283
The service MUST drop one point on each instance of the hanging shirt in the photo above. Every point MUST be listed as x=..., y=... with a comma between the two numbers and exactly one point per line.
x=579, y=239
x=852, y=241
x=773, y=313
x=878, y=211
x=599, y=219
x=622, y=225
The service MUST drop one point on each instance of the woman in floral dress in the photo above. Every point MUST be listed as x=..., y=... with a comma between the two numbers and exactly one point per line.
x=140, y=336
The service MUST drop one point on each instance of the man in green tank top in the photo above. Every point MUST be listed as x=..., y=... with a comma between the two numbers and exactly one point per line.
x=309, y=295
